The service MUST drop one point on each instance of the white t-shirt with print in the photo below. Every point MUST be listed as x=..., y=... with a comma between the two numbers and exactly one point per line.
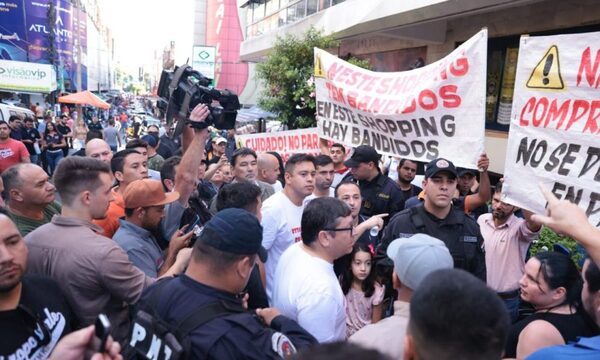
x=281, y=228
x=307, y=290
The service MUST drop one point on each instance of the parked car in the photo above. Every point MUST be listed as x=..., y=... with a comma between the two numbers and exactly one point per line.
x=7, y=110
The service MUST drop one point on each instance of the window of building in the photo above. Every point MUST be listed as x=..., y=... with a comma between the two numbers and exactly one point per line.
x=501, y=67
x=312, y=6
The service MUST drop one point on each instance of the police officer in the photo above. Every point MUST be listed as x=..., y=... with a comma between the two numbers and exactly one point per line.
x=380, y=194
x=437, y=217
x=221, y=263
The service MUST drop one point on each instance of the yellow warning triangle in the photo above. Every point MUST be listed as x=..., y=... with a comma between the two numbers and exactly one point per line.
x=318, y=66
x=546, y=74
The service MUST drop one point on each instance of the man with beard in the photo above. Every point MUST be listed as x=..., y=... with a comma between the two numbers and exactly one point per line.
x=34, y=314
x=145, y=202
x=323, y=177
x=506, y=238
x=407, y=170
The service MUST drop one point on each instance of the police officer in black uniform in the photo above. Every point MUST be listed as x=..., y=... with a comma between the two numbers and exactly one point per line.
x=221, y=263
x=439, y=218
x=380, y=194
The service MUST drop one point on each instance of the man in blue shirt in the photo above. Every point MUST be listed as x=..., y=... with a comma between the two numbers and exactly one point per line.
x=145, y=202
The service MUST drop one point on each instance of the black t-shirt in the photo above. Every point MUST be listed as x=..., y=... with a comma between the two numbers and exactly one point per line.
x=33, y=135
x=54, y=139
x=43, y=317
x=63, y=129
x=407, y=194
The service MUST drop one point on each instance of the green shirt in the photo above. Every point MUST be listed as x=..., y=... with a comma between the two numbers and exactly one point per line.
x=155, y=162
x=27, y=225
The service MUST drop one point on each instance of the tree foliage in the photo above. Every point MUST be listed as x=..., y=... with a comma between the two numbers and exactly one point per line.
x=289, y=89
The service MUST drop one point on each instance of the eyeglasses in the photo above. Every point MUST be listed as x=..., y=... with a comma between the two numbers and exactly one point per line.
x=351, y=229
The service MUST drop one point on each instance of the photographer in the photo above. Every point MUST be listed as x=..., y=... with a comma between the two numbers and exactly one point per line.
x=186, y=173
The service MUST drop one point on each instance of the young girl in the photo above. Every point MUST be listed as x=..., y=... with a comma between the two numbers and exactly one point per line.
x=364, y=295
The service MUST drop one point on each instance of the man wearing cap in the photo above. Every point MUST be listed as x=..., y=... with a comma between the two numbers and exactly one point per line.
x=218, y=150
x=466, y=182
x=222, y=261
x=155, y=161
x=414, y=258
x=437, y=217
x=380, y=193
x=145, y=202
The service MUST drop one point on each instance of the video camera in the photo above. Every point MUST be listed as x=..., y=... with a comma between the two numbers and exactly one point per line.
x=181, y=90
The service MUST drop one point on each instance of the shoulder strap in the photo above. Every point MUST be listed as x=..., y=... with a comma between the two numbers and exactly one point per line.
x=156, y=293
x=207, y=313
x=415, y=217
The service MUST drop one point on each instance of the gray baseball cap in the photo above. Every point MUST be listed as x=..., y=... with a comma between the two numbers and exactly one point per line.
x=417, y=256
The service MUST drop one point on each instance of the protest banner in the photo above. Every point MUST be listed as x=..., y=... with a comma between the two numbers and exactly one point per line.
x=285, y=143
x=553, y=138
x=421, y=114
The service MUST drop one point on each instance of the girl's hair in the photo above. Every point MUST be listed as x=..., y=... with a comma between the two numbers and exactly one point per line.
x=346, y=278
x=558, y=270
x=46, y=131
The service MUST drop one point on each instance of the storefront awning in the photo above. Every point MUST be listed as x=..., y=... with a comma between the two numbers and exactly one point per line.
x=84, y=98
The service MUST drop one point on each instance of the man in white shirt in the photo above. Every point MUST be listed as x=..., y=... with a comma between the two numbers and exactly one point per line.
x=324, y=176
x=282, y=212
x=268, y=170
x=306, y=288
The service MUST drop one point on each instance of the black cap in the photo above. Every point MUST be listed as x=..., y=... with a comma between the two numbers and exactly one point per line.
x=462, y=171
x=363, y=154
x=438, y=165
x=235, y=231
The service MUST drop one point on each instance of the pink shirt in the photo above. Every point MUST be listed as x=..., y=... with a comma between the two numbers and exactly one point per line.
x=359, y=309
x=505, y=251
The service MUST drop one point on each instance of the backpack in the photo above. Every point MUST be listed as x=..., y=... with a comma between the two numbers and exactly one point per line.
x=153, y=338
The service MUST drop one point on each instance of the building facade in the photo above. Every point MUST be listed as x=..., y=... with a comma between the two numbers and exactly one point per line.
x=399, y=35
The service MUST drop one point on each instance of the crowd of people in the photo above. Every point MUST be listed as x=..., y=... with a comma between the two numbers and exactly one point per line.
x=193, y=247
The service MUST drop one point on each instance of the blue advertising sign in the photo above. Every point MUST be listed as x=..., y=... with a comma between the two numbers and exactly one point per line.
x=44, y=29
x=13, y=34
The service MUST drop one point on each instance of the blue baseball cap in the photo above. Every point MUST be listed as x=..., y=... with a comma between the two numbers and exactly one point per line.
x=235, y=231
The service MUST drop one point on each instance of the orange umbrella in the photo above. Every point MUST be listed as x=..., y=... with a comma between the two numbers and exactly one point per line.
x=84, y=98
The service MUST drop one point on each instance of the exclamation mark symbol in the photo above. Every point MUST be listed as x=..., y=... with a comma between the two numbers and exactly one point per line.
x=547, y=68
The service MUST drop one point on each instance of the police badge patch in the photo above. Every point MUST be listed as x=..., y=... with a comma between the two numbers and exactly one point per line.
x=442, y=164
x=282, y=345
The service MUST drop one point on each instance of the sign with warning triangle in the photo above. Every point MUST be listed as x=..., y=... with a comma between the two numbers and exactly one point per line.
x=319, y=72
x=546, y=74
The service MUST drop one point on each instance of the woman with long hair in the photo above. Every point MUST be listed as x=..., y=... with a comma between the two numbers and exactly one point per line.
x=54, y=143
x=552, y=285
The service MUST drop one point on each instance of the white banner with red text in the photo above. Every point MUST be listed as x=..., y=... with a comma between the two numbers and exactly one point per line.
x=285, y=143
x=434, y=111
x=553, y=138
